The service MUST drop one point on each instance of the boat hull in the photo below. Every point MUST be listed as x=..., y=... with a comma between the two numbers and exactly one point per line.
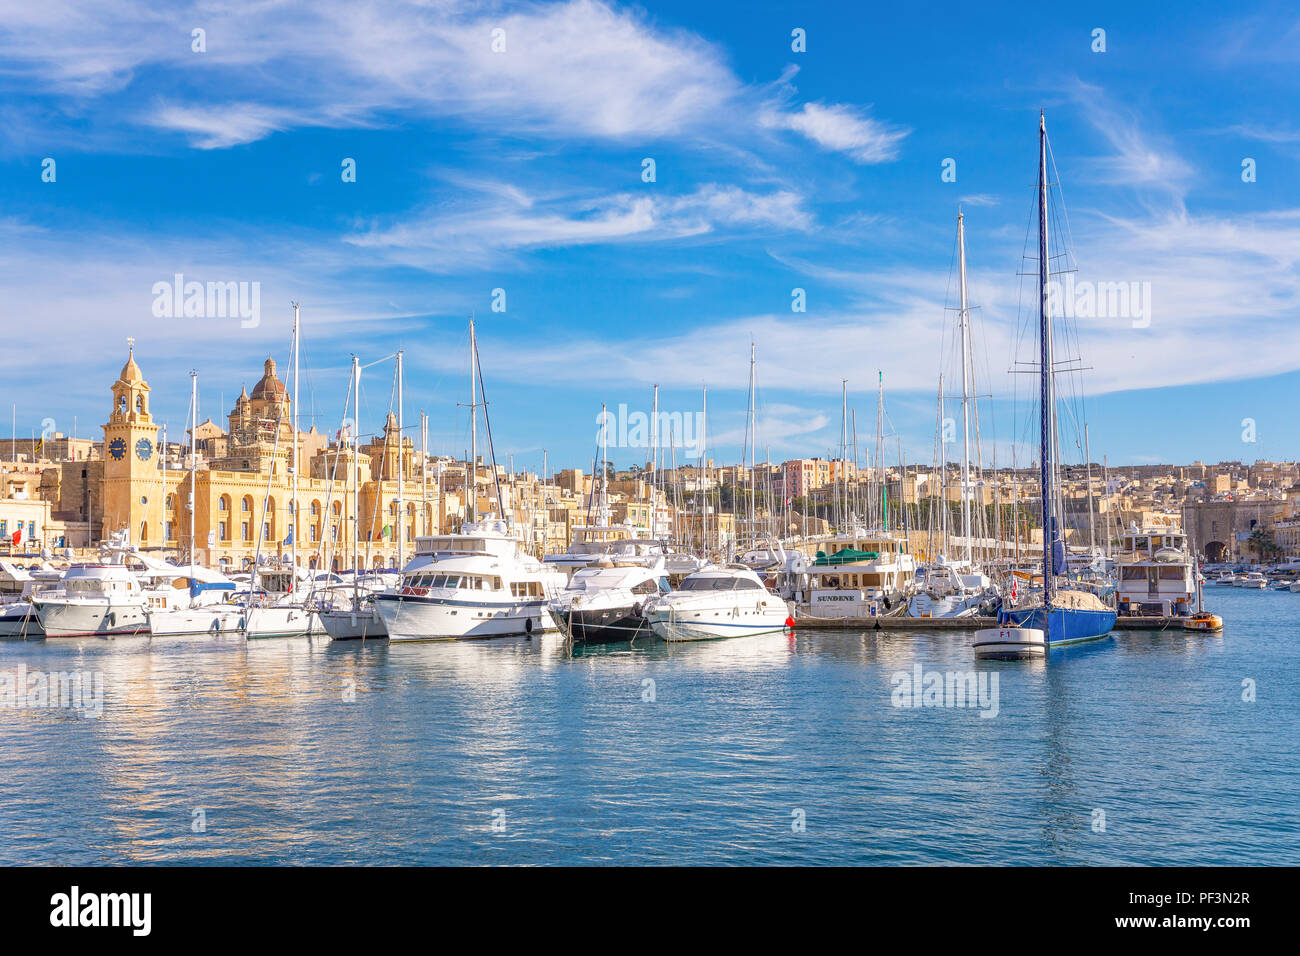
x=363, y=625
x=1062, y=626
x=197, y=622
x=712, y=624
x=20, y=622
x=271, y=622
x=92, y=619
x=612, y=625
x=1009, y=643
x=415, y=618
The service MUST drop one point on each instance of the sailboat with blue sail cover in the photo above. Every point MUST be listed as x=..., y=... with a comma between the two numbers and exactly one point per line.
x=1055, y=617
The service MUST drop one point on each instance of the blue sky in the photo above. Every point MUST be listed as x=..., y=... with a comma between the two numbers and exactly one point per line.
x=522, y=170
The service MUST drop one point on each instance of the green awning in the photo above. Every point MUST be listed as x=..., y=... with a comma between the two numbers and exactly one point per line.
x=847, y=556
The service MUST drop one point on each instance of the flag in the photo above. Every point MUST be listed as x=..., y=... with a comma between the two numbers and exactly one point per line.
x=18, y=537
x=289, y=538
x=387, y=532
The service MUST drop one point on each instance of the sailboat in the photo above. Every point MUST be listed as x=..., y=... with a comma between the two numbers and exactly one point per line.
x=204, y=615
x=360, y=618
x=1053, y=617
x=956, y=588
x=275, y=605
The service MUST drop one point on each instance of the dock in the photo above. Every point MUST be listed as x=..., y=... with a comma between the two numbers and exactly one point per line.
x=901, y=623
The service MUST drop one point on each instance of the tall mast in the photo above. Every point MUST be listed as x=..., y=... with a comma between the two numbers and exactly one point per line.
x=751, y=438
x=965, y=389
x=471, y=486
x=424, y=471
x=293, y=517
x=704, y=464
x=194, y=424
x=356, y=477
x=1047, y=464
x=654, y=463
x=1087, y=453
x=602, y=509
x=401, y=470
x=880, y=448
x=844, y=452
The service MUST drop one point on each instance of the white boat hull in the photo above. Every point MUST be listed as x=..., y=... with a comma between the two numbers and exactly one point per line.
x=92, y=619
x=20, y=621
x=193, y=622
x=435, y=619
x=348, y=625
x=1009, y=643
x=717, y=623
x=265, y=622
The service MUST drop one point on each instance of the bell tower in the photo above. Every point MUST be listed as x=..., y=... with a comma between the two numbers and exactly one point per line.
x=130, y=460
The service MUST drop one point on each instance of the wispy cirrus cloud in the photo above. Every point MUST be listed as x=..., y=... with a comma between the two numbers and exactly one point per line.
x=503, y=221
x=840, y=128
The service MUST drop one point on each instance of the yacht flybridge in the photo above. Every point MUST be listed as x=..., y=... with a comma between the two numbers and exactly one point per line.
x=1156, y=573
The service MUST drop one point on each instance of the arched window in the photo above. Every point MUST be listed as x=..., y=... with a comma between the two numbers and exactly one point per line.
x=139, y=403
x=121, y=405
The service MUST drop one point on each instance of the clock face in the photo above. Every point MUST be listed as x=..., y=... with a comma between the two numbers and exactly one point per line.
x=117, y=448
x=144, y=448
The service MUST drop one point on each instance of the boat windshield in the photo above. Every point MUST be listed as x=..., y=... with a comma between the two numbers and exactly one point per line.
x=719, y=584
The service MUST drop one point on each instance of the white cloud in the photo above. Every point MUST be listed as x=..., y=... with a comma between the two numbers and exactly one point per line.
x=840, y=128
x=510, y=220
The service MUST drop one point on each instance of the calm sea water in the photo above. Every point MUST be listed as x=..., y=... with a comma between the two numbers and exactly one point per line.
x=516, y=752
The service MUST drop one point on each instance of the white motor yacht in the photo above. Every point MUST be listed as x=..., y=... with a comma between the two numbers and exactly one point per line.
x=479, y=583
x=717, y=602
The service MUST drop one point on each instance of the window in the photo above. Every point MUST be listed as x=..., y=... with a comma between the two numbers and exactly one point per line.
x=222, y=531
x=247, y=535
x=312, y=533
x=244, y=505
x=223, y=504
x=169, y=533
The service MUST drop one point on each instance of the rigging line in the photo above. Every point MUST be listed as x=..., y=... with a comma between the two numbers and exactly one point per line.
x=487, y=424
x=329, y=490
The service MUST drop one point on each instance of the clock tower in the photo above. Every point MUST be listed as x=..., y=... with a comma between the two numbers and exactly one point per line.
x=131, y=482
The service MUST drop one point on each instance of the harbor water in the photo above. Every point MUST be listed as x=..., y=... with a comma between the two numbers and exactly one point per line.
x=1145, y=748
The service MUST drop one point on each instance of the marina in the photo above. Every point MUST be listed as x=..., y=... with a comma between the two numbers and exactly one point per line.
x=578, y=434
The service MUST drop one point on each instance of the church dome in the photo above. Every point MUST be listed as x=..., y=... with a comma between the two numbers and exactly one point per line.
x=131, y=371
x=269, y=387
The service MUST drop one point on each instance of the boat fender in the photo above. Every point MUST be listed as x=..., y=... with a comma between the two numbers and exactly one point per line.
x=111, y=619
x=528, y=625
x=789, y=622
x=637, y=609
x=887, y=604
